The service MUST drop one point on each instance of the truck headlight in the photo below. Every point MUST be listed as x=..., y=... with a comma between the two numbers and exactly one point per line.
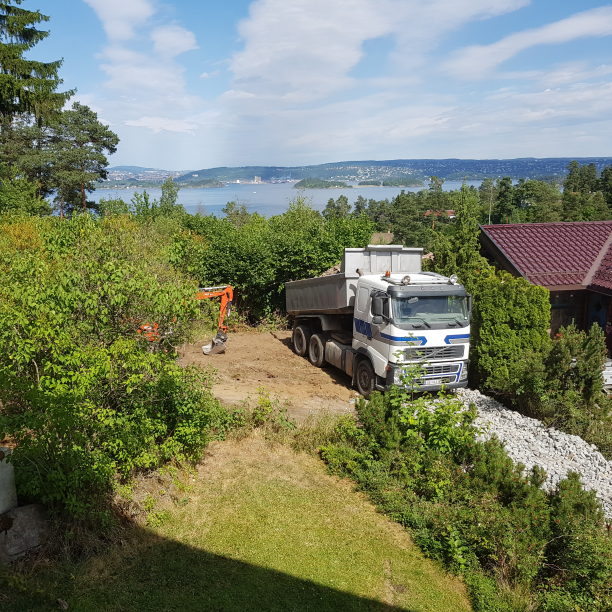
x=464, y=371
x=396, y=376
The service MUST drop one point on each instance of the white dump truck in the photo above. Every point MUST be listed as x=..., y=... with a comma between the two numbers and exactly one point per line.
x=380, y=313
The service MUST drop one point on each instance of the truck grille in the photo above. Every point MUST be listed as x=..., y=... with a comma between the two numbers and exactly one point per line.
x=445, y=368
x=446, y=352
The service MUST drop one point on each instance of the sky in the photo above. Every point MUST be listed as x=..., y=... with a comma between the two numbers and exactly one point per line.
x=191, y=84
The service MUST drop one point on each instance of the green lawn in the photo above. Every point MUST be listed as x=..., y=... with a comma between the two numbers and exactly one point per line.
x=265, y=529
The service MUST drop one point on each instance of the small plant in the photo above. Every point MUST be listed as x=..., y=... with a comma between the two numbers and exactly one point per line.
x=157, y=519
x=263, y=408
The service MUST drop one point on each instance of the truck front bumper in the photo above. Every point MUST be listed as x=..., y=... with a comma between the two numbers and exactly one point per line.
x=449, y=375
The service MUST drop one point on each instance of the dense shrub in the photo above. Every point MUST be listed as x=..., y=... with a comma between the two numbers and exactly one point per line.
x=259, y=255
x=470, y=507
x=90, y=312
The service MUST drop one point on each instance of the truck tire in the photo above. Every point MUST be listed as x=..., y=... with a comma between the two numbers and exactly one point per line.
x=301, y=340
x=365, y=378
x=316, y=350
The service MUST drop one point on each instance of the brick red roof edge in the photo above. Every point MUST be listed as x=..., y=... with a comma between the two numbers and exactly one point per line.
x=556, y=254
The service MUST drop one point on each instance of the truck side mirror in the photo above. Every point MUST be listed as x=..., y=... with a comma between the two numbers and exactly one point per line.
x=377, y=306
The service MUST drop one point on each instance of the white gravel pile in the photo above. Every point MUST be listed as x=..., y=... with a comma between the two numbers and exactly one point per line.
x=529, y=442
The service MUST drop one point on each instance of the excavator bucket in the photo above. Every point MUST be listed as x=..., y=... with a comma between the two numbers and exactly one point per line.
x=217, y=344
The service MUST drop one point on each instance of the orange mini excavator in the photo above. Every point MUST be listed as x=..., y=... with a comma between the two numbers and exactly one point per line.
x=226, y=293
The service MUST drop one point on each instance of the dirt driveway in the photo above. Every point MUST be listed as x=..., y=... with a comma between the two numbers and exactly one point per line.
x=255, y=359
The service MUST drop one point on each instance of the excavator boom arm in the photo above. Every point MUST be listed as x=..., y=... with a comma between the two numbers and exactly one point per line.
x=226, y=293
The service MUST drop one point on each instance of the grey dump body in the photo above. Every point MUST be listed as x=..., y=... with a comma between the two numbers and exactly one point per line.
x=335, y=294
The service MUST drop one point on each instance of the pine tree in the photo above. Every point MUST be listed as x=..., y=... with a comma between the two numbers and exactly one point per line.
x=459, y=253
x=80, y=159
x=27, y=87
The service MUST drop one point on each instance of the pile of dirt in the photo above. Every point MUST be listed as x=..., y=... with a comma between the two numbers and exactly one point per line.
x=334, y=270
x=255, y=360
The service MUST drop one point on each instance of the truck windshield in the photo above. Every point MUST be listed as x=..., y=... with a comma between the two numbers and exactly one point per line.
x=451, y=309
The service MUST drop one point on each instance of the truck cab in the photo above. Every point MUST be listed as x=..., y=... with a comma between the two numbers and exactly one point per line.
x=380, y=314
x=402, y=320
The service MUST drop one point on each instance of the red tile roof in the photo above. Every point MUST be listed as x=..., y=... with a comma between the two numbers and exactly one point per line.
x=557, y=254
x=602, y=279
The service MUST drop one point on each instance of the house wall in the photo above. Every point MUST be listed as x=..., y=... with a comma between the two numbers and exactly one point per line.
x=565, y=307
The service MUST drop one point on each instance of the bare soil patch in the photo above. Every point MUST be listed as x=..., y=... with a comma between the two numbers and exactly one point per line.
x=255, y=359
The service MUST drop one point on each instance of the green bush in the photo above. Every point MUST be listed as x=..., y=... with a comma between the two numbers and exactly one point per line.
x=511, y=320
x=90, y=313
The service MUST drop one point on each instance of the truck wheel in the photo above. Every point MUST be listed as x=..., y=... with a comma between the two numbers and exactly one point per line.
x=301, y=340
x=365, y=378
x=316, y=351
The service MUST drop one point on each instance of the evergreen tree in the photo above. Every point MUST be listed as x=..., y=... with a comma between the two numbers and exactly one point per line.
x=27, y=87
x=540, y=201
x=459, y=253
x=338, y=209
x=605, y=184
x=80, y=160
x=505, y=204
x=408, y=220
x=582, y=198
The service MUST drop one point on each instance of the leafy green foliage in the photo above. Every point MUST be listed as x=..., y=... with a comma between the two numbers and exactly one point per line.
x=90, y=312
x=258, y=257
x=19, y=195
x=583, y=199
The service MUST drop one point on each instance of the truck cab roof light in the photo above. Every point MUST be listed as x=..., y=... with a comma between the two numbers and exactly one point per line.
x=388, y=273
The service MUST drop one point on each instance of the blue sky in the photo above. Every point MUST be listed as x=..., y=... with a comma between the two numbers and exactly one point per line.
x=191, y=84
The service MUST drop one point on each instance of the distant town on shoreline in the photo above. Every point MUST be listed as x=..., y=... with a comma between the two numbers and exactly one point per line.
x=411, y=172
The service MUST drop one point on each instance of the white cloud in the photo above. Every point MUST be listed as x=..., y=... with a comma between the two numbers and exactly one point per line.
x=298, y=52
x=119, y=17
x=159, y=124
x=139, y=72
x=573, y=72
x=173, y=40
x=209, y=75
x=478, y=61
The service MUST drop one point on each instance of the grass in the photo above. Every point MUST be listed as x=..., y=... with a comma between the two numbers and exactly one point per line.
x=265, y=529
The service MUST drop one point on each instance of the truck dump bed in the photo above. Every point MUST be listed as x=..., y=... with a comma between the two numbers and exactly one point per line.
x=335, y=294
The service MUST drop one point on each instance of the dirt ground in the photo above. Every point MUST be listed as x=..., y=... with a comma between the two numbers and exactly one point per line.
x=255, y=359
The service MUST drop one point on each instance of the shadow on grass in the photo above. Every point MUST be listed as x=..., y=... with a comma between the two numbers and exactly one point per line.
x=165, y=575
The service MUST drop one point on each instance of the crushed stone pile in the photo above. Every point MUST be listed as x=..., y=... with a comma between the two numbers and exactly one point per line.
x=530, y=442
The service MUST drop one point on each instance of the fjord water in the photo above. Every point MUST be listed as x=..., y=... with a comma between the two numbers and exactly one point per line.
x=265, y=199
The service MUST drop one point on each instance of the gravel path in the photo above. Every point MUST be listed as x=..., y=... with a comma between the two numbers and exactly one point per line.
x=528, y=441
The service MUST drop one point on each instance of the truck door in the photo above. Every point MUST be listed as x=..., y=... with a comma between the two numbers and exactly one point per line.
x=362, y=328
x=368, y=335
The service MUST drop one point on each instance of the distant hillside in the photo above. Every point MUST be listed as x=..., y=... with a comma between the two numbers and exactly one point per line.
x=315, y=183
x=418, y=170
x=132, y=169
